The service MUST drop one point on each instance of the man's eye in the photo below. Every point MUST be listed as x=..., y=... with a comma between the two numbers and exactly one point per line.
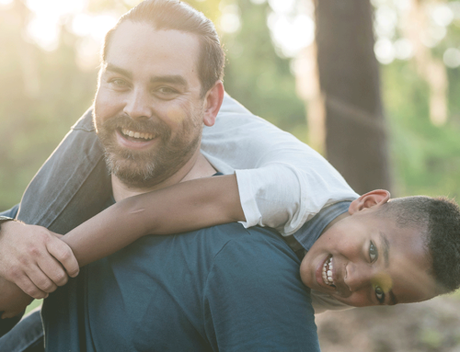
x=379, y=294
x=118, y=82
x=166, y=91
x=373, y=253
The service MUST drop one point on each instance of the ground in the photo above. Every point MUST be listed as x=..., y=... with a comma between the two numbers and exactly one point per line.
x=417, y=327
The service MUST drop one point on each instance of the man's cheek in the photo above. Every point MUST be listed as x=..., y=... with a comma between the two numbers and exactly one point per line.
x=176, y=115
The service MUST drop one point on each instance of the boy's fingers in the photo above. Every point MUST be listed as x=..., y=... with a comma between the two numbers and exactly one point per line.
x=63, y=254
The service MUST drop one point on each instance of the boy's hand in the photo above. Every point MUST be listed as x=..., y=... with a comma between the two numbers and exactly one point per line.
x=13, y=301
x=35, y=259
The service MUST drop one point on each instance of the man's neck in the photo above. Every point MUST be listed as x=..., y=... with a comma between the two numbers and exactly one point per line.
x=197, y=167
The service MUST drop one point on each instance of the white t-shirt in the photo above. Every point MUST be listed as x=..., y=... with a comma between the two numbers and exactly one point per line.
x=282, y=182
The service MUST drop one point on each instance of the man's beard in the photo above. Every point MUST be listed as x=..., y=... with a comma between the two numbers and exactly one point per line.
x=145, y=169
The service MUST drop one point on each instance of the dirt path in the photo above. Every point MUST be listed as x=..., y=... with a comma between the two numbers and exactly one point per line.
x=426, y=326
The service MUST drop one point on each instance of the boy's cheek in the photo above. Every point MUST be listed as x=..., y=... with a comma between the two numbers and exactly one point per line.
x=304, y=274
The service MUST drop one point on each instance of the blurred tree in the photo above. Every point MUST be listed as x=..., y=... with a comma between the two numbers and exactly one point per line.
x=257, y=76
x=41, y=96
x=429, y=66
x=350, y=87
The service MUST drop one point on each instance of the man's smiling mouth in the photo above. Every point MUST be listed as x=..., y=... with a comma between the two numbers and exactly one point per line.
x=137, y=135
x=327, y=272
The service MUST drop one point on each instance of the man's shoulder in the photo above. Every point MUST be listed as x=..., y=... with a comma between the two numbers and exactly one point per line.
x=250, y=246
x=235, y=234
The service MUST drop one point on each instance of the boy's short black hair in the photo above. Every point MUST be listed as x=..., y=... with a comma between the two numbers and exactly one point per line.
x=439, y=222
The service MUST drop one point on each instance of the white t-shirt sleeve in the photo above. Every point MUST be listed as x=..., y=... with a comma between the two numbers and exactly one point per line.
x=282, y=182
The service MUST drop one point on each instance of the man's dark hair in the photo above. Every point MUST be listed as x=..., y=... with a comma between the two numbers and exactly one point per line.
x=439, y=220
x=176, y=15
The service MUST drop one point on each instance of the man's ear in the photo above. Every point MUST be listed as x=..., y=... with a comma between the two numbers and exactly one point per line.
x=212, y=103
x=369, y=200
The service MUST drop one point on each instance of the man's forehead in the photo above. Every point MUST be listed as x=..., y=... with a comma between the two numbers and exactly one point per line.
x=139, y=47
x=144, y=32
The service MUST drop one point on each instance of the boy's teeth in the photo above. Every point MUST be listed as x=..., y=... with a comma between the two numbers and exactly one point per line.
x=327, y=272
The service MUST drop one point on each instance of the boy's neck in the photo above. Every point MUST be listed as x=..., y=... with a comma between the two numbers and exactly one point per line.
x=337, y=219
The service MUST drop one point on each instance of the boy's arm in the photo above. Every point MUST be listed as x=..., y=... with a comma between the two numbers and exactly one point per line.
x=13, y=301
x=32, y=261
x=187, y=206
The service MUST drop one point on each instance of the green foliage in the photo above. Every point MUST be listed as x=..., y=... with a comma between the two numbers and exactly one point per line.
x=426, y=158
x=256, y=76
x=42, y=94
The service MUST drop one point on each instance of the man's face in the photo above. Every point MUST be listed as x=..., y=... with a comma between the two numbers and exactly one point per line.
x=365, y=260
x=148, y=107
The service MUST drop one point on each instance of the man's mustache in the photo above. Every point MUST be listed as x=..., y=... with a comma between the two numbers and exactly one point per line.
x=154, y=126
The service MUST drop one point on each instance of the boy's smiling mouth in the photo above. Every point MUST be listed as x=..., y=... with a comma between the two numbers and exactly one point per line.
x=327, y=272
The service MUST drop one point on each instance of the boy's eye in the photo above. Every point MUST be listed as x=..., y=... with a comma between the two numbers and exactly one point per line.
x=373, y=253
x=379, y=294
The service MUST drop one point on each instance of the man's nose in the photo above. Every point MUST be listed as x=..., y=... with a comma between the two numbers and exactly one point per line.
x=138, y=104
x=358, y=276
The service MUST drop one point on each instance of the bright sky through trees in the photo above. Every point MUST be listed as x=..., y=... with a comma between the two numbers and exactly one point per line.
x=290, y=22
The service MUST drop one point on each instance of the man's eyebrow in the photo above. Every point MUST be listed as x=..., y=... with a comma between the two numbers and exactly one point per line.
x=174, y=79
x=113, y=68
x=385, y=248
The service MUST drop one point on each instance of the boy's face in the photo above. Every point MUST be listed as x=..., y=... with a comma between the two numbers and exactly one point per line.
x=365, y=260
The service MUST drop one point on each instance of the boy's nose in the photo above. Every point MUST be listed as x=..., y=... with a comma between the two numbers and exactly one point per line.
x=358, y=276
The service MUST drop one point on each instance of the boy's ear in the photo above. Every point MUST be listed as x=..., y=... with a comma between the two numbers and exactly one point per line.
x=369, y=200
x=212, y=103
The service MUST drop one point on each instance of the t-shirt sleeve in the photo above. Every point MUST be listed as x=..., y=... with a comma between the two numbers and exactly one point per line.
x=254, y=300
x=282, y=182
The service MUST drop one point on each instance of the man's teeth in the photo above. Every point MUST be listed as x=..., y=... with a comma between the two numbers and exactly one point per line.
x=147, y=136
x=327, y=272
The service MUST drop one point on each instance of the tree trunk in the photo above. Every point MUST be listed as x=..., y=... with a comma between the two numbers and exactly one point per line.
x=356, y=141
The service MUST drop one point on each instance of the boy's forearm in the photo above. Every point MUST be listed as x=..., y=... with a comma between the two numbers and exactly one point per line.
x=183, y=207
x=13, y=301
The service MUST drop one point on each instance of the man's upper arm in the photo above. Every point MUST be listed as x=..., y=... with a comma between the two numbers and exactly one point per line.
x=254, y=299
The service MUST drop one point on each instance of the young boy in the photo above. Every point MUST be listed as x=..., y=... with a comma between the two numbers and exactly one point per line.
x=355, y=249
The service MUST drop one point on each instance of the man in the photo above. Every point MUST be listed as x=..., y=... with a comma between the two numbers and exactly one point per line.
x=221, y=288
x=332, y=264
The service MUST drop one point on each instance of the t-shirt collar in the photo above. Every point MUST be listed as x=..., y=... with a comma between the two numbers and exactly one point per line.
x=307, y=235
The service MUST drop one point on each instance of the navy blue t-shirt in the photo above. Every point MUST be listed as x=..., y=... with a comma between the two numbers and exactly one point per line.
x=223, y=288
